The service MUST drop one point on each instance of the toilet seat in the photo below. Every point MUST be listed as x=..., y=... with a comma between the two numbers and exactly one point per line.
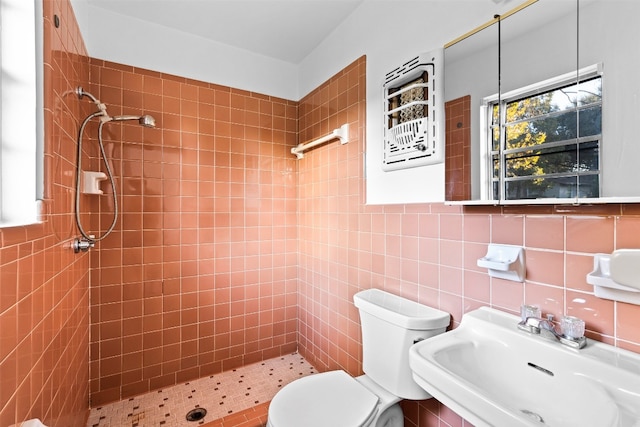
x=328, y=399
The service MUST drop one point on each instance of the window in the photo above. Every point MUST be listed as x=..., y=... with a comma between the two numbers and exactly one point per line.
x=21, y=112
x=550, y=142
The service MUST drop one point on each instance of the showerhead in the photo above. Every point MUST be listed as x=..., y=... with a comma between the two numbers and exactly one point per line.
x=146, y=120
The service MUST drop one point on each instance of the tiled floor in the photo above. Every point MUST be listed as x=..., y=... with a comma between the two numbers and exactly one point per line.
x=222, y=394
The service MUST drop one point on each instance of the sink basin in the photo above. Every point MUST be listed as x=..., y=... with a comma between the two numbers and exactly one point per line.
x=493, y=374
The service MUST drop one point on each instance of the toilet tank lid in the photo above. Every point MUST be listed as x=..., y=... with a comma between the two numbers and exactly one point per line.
x=400, y=311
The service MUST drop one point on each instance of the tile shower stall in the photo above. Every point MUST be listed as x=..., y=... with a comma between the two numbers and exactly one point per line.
x=229, y=251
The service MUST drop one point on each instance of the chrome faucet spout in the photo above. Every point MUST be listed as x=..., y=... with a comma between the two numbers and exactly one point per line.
x=547, y=325
x=536, y=325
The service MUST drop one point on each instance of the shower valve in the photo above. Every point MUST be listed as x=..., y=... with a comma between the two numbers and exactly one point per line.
x=82, y=245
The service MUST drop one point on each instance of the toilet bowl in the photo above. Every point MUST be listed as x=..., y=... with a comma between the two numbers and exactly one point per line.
x=390, y=326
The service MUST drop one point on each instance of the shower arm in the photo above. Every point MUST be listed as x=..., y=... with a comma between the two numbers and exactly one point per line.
x=101, y=107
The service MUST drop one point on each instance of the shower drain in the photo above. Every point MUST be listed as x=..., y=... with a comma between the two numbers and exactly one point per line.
x=533, y=415
x=196, y=414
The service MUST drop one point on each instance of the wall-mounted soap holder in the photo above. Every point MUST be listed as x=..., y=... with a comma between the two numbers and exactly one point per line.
x=505, y=262
x=613, y=276
x=91, y=182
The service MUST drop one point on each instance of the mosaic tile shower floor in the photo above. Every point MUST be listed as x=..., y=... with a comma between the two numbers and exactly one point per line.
x=221, y=394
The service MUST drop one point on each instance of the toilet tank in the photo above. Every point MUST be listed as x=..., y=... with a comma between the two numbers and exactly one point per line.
x=390, y=326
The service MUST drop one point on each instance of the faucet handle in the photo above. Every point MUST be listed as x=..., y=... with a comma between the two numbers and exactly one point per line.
x=550, y=317
x=572, y=327
x=527, y=311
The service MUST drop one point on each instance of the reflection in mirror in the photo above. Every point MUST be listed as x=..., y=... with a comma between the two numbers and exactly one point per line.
x=538, y=42
x=537, y=155
x=560, y=142
x=545, y=150
x=610, y=36
x=471, y=74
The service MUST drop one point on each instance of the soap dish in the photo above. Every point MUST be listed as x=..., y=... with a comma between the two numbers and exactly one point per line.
x=505, y=262
x=604, y=286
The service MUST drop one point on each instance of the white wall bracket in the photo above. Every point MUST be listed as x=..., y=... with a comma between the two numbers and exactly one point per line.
x=505, y=262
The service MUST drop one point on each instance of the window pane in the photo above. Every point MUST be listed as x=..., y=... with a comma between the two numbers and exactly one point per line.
x=539, y=188
x=547, y=161
x=545, y=103
x=590, y=92
x=495, y=115
x=496, y=138
x=496, y=166
x=539, y=131
x=589, y=156
x=589, y=186
x=543, y=154
x=590, y=120
x=553, y=160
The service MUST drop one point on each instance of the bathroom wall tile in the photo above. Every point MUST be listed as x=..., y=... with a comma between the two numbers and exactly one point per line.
x=507, y=230
x=451, y=253
x=544, y=232
x=451, y=227
x=449, y=417
x=590, y=234
x=477, y=228
x=550, y=299
x=627, y=232
x=451, y=280
x=452, y=304
x=597, y=313
x=577, y=267
x=44, y=322
x=165, y=219
x=506, y=295
x=627, y=320
x=545, y=267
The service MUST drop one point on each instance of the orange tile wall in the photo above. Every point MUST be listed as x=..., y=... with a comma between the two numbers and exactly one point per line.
x=200, y=274
x=217, y=244
x=44, y=286
x=428, y=252
x=458, y=148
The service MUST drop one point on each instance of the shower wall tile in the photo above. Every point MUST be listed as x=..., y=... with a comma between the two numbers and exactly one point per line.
x=229, y=251
x=44, y=294
x=458, y=149
x=428, y=252
x=199, y=275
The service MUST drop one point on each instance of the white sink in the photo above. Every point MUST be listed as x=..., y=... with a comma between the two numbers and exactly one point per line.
x=493, y=374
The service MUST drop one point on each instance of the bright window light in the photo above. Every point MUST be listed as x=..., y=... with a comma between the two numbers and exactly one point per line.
x=21, y=112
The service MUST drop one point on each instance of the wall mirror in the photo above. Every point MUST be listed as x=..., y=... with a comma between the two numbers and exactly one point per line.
x=551, y=120
x=471, y=75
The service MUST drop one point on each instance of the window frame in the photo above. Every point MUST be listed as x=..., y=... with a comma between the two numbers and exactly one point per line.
x=22, y=112
x=487, y=128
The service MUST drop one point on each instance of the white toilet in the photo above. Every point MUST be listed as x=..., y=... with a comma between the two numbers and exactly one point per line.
x=390, y=325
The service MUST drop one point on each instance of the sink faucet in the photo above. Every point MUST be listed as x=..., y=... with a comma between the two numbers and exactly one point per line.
x=545, y=327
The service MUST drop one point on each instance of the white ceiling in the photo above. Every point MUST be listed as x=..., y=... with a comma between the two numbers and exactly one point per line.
x=287, y=30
